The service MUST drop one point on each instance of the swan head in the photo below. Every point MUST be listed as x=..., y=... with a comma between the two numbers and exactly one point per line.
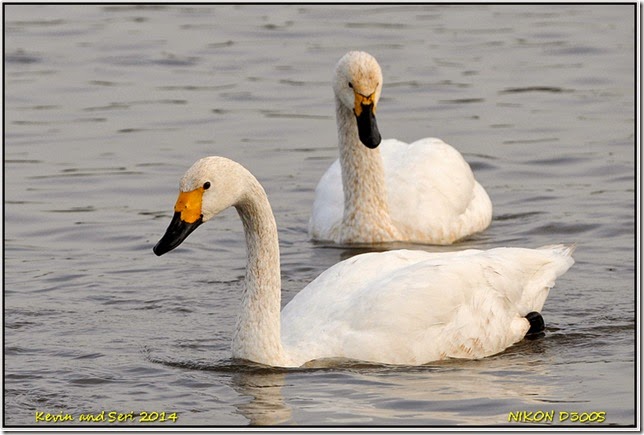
x=210, y=186
x=357, y=85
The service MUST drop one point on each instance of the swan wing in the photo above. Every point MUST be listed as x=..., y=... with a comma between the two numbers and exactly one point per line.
x=432, y=193
x=412, y=307
x=328, y=206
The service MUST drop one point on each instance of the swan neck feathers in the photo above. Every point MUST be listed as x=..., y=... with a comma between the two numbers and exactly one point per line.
x=366, y=213
x=257, y=332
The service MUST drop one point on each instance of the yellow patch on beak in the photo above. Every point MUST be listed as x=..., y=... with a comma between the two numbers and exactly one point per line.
x=189, y=205
x=361, y=100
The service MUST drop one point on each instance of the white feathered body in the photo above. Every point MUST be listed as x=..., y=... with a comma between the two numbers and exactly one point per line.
x=432, y=195
x=413, y=307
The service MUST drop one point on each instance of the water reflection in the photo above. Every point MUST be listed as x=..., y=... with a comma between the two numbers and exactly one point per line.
x=434, y=394
x=266, y=406
x=344, y=252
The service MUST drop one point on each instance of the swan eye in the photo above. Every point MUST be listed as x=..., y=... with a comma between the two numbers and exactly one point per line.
x=206, y=185
x=350, y=85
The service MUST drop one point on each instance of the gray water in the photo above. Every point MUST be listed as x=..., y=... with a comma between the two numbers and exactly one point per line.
x=107, y=106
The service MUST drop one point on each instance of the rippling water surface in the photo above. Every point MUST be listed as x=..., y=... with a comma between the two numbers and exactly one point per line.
x=107, y=106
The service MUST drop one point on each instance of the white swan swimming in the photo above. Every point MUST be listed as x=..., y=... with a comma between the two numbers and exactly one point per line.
x=398, y=307
x=423, y=192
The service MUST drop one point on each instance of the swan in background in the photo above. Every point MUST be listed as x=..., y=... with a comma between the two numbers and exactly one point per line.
x=422, y=192
x=397, y=307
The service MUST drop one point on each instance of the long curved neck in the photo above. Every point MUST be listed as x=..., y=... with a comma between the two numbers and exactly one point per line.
x=366, y=210
x=257, y=333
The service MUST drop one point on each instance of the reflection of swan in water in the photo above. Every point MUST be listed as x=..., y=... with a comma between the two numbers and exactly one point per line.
x=259, y=388
x=397, y=307
x=345, y=393
x=266, y=406
x=452, y=393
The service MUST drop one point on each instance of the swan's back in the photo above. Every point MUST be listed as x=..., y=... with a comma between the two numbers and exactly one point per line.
x=412, y=307
x=432, y=191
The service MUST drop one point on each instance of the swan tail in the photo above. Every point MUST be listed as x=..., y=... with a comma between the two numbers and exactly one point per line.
x=561, y=249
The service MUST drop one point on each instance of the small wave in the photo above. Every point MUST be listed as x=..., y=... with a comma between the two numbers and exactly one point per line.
x=562, y=228
x=550, y=89
x=516, y=216
x=21, y=57
x=233, y=365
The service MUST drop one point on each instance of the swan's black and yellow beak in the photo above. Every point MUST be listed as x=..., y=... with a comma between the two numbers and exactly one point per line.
x=187, y=217
x=365, y=111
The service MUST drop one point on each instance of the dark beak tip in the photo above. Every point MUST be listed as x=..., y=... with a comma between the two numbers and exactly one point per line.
x=372, y=144
x=176, y=233
x=371, y=141
x=157, y=250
